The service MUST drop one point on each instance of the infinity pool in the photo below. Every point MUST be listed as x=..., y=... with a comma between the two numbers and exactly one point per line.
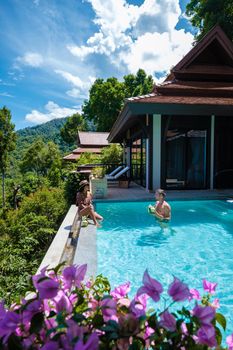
x=197, y=244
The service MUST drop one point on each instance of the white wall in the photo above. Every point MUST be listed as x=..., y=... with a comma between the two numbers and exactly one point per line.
x=156, y=151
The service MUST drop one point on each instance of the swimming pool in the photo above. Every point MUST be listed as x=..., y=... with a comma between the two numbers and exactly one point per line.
x=197, y=244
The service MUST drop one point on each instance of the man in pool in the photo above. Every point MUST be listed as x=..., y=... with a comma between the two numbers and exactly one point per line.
x=162, y=209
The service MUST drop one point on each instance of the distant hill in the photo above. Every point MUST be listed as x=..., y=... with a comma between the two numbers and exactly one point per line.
x=49, y=131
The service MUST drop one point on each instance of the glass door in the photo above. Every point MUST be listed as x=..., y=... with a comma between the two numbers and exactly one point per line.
x=186, y=159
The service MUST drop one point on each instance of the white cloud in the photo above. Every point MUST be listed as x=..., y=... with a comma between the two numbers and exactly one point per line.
x=5, y=94
x=137, y=36
x=52, y=111
x=32, y=59
x=81, y=87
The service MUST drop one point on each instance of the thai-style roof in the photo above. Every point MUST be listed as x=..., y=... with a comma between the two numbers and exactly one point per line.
x=200, y=84
x=89, y=138
x=89, y=142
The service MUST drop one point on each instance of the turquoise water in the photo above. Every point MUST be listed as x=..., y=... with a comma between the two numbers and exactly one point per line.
x=197, y=244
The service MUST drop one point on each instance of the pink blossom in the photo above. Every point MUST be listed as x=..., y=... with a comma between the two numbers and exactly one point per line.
x=184, y=328
x=178, y=290
x=209, y=287
x=108, y=307
x=215, y=304
x=91, y=344
x=168, y=321
x=150, y=287
x=205, y=314
x=32, y=308
x=38, y=277
x=194, y=294
x=138, y=305
x=121, y=291
x=47, y=288
x=206, y=335
x=230, y=342
x=2, y=310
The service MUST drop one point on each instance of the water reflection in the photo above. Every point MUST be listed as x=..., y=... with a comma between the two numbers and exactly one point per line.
x=157, y=236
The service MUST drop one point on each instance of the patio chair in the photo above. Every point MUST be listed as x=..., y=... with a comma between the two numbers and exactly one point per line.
x=115, y=171
x=119, y=174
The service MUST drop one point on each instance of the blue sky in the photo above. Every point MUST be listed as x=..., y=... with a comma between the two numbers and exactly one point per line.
x=53, y=50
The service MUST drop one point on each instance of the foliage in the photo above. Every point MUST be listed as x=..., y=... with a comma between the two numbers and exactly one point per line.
x=71, y=186
x=26, y=234
x=107, y=97
x=207, y=13
x=112, y=154
x=66, y=313
x=7, y=143
x=41, y=158
x=70, y=129
x=105, y=103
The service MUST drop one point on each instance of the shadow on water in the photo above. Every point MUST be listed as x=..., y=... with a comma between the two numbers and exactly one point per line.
x=157, y=237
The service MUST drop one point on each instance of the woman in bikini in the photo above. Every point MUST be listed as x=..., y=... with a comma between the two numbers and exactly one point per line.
x=84, y=203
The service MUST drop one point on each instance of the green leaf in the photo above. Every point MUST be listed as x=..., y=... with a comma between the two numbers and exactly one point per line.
x=36, y=323
x=14, y=343
x=97, y=321
x=218, y=335
x=221, y=320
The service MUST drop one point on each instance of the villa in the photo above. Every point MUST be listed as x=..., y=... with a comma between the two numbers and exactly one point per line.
x=88, y=142
x=180, y=135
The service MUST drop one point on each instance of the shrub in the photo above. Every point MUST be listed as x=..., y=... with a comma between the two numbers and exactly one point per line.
x=63, y=312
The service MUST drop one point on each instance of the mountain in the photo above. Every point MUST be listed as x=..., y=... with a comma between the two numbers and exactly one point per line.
x=49, y=131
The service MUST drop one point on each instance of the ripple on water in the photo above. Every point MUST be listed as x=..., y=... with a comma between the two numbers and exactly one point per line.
x=196, y=245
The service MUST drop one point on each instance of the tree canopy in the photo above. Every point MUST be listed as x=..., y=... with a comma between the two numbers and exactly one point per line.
x=107, y=97
x=70, y=129
x=207, y=13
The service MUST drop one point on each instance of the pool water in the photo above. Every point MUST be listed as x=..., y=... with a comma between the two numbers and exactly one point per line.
x=197, y=244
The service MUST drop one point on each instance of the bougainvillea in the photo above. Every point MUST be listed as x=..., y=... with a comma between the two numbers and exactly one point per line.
x=64, y=312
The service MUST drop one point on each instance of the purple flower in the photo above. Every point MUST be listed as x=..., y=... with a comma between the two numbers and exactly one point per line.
x=51, y=345
x=138, y=305
x=168, y=321
x=151, y=287
x=184, y=328
x=205, y=314
x=74, y=275
x=91, y=344
x=194, y=294
x=9, y=324
x=62, y=302
x=47, y=288
x=206, y=336
x=121, y=291
x=209, y=287
x=230, y=342
x=32, y=308
x=36, y=278
x=178, y=290
x=108, y=307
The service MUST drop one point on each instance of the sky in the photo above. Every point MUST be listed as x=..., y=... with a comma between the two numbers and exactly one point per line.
x=51, y=51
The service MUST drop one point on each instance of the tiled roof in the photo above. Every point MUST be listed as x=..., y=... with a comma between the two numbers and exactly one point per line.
x=93, y=138
x=87, y=149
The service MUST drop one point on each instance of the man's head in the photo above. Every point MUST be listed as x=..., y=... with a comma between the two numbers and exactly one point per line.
x=160, y=194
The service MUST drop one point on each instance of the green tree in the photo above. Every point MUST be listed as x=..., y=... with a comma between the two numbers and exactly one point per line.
x=40, y=158
x=7, y=144
x=204, y=14
x=105, y=102
x=139, y=84
x=70, y=129
x=112, y=154
x=107, y=97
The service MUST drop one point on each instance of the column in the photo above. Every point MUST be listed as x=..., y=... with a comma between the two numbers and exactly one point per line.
x=156, y=151
x=147, y=163
x=212, y=152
